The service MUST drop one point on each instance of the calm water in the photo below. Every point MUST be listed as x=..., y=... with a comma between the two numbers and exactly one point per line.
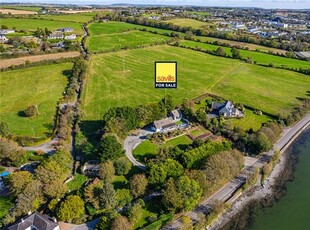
x=291, y=212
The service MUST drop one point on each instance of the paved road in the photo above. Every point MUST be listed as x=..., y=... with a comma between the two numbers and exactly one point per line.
x=225, y=193
x=131, y=142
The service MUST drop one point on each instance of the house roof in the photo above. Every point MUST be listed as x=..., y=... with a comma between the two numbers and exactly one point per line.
x=216, y=105
x=163, y=123
x=176, y=113
x=42, y=222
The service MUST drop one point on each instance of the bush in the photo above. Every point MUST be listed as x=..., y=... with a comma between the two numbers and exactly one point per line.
x=31, y=111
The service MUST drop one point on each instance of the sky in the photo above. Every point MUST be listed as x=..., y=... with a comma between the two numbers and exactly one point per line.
x=282, y=4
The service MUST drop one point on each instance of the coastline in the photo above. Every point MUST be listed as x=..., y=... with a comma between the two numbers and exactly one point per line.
x=240, y=215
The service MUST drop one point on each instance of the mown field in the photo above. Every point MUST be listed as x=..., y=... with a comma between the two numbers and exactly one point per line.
x=33, y=24
x=251, y=120
x=260, y=58
x=127, y=78
x=189, y=22
x=130, y=39
x=119, y=27
x=42, y=86
x=242, y=44
x=147, y=149
x=28, y=8
x=82, y=17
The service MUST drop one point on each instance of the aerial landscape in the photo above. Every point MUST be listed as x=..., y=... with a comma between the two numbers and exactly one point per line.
x=154, y=115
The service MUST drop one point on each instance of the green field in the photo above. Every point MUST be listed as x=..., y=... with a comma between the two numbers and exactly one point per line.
x=241, y=44
x=127, y=78
x=119, y=27
x=28, y=8
x=251, y=120
x=33, y=24
x=260, y=58
x=147, y=149
x=200, y=13
x=184, y=22
x=130, y=39
x=42, y=86
x=80, y=17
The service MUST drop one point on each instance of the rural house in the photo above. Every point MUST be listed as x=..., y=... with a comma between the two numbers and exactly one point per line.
x=70, y=37
x=3, y=39
x=65, y=30
x=56, y=36
x=226, y=109
x=169, y=123
x=35, y=221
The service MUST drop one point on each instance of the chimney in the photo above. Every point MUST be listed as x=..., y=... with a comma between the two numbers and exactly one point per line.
x=22, y=220
x=54, y=219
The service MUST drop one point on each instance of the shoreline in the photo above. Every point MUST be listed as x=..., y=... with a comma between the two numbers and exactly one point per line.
x=258, y=194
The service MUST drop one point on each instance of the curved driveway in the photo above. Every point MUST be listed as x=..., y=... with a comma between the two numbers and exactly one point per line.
x=132, y=141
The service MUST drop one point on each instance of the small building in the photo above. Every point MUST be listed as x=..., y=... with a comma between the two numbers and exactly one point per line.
x=35, y=221
x=8, y=31
x=70, y=37
x=165, y=125
x=176, y=114
x=3, y=39
x=56, y=36
x=65, y=30
x=226, y=109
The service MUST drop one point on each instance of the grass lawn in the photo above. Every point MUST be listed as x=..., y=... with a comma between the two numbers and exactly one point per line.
x=33, y=24
x=251, y=120
x=242, y=44
x=189, y=22
x=127, y=78
x=106, y=28
x=145, y=150
x=28, y=8
x=79, y=17
x=42, y=86
x=130, y=39
x=196, y=132
x=148, y=150
x=77, y=182
x=260, y=58
x=6, y=204
x=179, y=141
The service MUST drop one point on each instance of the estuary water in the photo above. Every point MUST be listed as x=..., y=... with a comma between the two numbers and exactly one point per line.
x=291, y=211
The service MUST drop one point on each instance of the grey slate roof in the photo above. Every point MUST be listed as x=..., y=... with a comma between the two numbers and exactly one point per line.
x=41, y=222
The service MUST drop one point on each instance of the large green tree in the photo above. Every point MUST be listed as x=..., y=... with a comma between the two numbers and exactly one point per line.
x=71, y=209
x=108, y=196
x=181, y=194
x=138, y=185
x=110, y=148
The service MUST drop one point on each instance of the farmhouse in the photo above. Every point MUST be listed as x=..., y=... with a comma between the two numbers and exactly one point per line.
x=226, y=109
x=36, y=221
x=169, y=123
x=65, y=30
x=70, y=37
x=7, y=31
x=3, y=39
x=56, y=36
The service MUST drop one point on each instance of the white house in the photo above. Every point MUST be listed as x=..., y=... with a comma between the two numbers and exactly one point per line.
x=65, y=30
x=3, y=39
x=56, y=36
x=70, y=37
x=8, y=31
